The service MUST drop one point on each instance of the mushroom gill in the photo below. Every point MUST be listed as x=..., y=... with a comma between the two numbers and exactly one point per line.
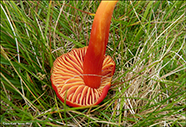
x=67, y=79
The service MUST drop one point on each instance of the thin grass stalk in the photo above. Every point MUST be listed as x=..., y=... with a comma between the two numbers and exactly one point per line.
x=17, y=47
x=32, y=46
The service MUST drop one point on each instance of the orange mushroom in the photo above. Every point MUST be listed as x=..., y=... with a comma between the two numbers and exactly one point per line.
x=83, y=76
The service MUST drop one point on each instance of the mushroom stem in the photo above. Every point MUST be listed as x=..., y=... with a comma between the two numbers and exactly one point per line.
x=93, y=60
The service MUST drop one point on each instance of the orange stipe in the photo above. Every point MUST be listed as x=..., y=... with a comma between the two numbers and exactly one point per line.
x=97, y=44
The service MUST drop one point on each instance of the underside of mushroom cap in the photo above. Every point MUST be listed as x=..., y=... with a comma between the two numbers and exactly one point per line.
x=67, y=79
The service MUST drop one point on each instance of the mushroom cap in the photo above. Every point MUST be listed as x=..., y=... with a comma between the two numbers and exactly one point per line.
x=68, y=83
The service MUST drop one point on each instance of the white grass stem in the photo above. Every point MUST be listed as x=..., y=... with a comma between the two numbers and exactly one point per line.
x=17, y=45
x=61, y=9
x=40, y=28
x=32, y=46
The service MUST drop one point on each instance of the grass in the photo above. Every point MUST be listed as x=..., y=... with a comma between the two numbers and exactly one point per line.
x=147, y=42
